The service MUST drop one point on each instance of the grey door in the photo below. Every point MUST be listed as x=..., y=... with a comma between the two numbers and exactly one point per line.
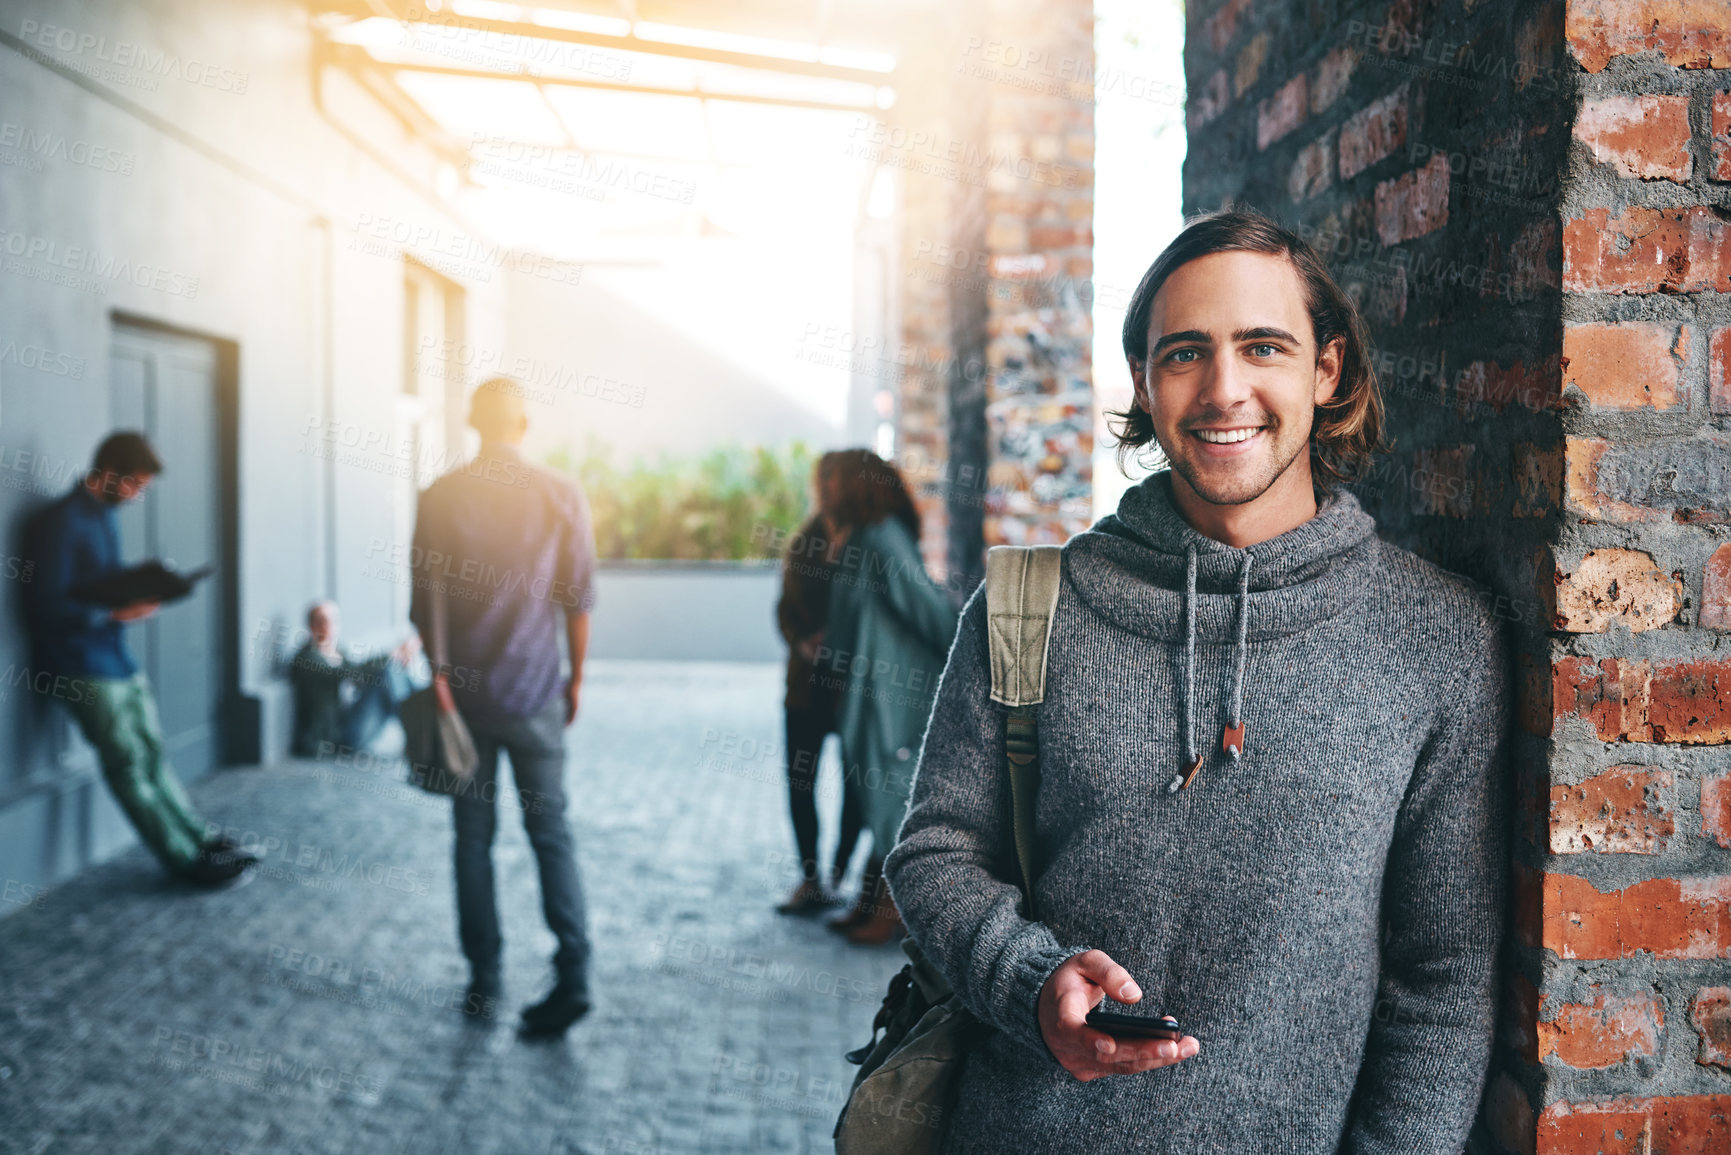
x=166, y=385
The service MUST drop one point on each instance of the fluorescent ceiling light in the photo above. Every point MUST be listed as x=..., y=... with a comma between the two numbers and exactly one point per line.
x=580, y=21
x=487, y=10
x=373, y=32
x=483, y=108
x=764, y=46
x=857, y=58
x=724, y=80
x=726, y=41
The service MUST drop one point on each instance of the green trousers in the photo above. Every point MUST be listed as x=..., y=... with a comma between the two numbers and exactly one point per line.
x=118, y=716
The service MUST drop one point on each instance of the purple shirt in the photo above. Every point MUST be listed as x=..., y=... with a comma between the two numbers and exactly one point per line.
x=510, y=546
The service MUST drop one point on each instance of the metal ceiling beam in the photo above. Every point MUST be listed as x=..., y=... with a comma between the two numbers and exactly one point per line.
x=353, y=56
x=402, y=107
x=361, y=9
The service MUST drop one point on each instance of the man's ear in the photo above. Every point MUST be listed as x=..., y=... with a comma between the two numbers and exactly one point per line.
x=1139, y=382
x=1328, y=366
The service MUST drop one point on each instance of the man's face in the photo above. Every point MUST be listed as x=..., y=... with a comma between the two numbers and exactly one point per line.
x=118, y=488
x=322, y=623
x=1233, y=376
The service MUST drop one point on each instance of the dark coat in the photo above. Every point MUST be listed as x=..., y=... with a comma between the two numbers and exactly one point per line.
x=890, y=629
x=803, y=611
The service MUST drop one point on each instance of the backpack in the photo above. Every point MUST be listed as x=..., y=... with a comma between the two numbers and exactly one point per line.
x=909, y=1074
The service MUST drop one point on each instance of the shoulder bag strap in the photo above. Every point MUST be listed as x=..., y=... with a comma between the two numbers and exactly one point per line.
x=1021, y=597
x=438, y=595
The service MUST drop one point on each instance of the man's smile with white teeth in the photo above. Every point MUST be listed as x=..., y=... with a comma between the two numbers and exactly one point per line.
x=1226, y=436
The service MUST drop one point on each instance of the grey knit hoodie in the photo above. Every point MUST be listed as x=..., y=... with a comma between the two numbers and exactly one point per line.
x=1250, y=904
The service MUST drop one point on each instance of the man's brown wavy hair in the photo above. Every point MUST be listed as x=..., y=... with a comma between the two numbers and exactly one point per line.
x=1348, y=427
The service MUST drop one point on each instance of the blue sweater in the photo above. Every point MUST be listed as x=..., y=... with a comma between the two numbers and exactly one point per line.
x=73, y=541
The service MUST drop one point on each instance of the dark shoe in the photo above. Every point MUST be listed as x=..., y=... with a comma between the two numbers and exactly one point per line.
x=883, y=924
x=481, y=1000
x=223, y=851
x=233, y=878
x=858, y=913
x=553, y=1015
x=806, y=898
x=220, y=866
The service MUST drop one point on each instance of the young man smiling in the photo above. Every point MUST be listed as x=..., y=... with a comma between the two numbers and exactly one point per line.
x=1270, y=802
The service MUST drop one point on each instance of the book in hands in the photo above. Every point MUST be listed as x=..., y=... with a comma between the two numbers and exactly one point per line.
x=149, y=581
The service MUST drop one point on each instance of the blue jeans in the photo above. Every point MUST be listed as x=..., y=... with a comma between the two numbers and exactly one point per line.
x=378, y=701
x=536, y=745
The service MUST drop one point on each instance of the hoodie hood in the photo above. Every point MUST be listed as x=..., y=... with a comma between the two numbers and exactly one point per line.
x=1145, y=569
x=1131, y=568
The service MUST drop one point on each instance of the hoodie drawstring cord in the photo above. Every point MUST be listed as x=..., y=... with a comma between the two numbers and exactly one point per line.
x=1240, y=660
x=1187, y=695
x=1187, y=690
x=1233, y=738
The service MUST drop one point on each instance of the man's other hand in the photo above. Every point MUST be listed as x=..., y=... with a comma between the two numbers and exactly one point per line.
x=136, y=612
x=571, y=692
x=442, y=694
x=1070, y=993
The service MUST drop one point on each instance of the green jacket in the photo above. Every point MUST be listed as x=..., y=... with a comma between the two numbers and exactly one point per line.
x=889, y=632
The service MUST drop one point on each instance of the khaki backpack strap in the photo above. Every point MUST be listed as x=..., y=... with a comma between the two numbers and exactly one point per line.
x=1021, y=593
x=1021, y=596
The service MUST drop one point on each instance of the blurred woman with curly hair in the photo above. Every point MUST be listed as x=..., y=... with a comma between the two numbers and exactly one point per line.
x=889, y=632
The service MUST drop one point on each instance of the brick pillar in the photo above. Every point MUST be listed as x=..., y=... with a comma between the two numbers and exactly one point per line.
x=1039, y=60
x=1529, y=202
x=924, y=114
x=1633, y=1021
x=993, y=132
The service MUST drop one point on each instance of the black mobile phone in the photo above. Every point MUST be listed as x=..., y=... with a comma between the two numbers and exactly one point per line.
x=1135, y=1026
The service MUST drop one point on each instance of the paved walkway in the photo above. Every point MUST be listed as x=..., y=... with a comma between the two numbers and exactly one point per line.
x=313, y=1010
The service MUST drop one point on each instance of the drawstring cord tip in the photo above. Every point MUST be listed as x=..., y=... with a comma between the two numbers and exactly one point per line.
x=1232, y=740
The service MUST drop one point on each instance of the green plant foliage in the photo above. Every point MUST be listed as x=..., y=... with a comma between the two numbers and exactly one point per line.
x=729, y=504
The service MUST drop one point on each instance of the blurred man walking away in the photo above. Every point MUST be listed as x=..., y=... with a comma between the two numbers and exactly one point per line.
x=74, y=542
x=509, y=550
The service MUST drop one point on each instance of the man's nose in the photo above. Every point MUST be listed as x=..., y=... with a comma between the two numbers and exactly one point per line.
x=1225, y=383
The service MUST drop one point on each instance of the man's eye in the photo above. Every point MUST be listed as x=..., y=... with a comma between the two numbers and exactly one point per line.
x=1182, y=356
x=1263, y=349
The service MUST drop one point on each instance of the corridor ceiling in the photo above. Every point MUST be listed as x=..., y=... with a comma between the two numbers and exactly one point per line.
x=662, y=78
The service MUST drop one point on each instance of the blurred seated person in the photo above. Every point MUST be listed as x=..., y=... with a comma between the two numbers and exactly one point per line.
x=338, y=701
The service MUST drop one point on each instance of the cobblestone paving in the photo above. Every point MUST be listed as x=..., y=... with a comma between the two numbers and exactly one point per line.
x=314, y=1010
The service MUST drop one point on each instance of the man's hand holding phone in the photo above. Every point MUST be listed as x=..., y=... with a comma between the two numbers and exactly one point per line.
x=1070, y=993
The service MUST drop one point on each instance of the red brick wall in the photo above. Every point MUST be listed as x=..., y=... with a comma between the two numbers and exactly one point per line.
x=1531, y=202
x=1640, y=675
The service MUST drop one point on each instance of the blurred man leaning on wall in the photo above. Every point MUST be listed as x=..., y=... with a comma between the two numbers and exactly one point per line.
x=75, y=542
